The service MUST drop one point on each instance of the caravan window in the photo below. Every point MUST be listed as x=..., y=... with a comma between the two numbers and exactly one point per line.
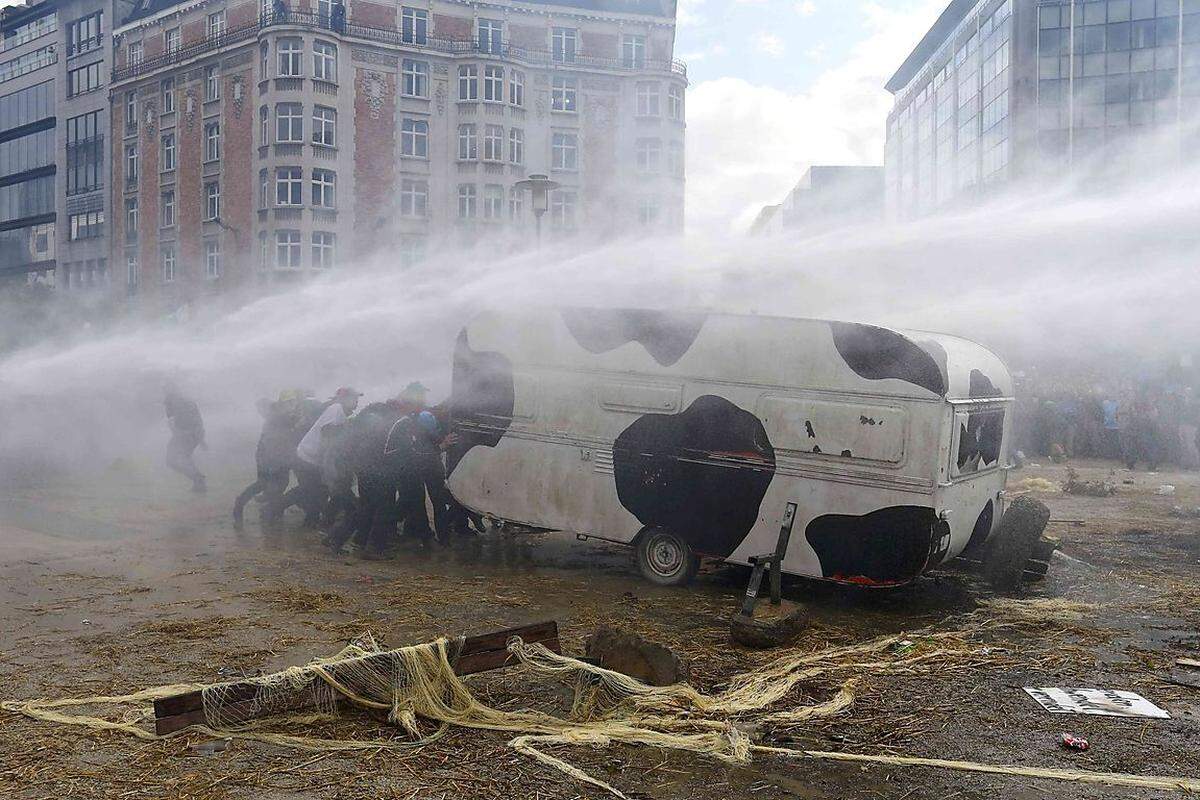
x=978, y=436
x=838, y=429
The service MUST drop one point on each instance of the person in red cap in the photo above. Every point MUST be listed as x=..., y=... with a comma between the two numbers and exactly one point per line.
x=311, y=492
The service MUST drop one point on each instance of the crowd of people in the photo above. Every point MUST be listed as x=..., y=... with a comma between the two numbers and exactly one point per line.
x=364, y=476
x=1143, y=424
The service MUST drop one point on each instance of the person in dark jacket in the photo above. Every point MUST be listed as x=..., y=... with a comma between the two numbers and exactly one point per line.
x=415, y=445
x=374, y=520
x=273, y=458
x=187, y=433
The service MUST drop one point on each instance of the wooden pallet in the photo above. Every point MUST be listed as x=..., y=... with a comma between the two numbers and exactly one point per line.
x=478, y=654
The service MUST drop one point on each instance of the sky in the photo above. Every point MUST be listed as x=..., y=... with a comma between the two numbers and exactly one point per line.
x=779, y=85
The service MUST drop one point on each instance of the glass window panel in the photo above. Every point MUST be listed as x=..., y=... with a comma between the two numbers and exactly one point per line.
x=1093, y=14
x=1118, y=10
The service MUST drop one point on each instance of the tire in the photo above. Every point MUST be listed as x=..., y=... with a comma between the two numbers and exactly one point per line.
x=1014, y=543
x=665, y=558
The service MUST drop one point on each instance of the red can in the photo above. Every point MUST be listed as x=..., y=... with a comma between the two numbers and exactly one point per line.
x=1072, y=742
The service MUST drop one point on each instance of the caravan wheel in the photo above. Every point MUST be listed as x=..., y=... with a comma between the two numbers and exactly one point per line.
x=665, y=558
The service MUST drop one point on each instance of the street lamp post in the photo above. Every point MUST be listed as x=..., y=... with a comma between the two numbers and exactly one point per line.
x=539, y=187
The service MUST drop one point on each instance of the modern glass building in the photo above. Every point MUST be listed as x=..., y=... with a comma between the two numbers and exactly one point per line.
x=1004, y=89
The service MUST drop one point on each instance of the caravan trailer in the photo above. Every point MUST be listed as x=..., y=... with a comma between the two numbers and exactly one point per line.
x=700, y=434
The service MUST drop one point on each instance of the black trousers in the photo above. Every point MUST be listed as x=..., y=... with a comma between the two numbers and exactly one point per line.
x=179, y=456
x=309, y=492
x=375, y=520
x=272, y=483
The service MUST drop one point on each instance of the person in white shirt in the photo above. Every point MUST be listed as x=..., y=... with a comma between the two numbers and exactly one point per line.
x=311, y=492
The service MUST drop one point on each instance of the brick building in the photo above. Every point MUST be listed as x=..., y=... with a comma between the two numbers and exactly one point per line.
x=258, y=143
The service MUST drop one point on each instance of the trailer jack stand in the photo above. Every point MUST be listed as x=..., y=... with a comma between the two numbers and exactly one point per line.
x=756, y=633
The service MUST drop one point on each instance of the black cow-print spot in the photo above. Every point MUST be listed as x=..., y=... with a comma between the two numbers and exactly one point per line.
x=888, y=546
x=482, y=397
x=980, y=439
x=982, y=529
x=702, y=473
x=666, y=335
x=878, y=353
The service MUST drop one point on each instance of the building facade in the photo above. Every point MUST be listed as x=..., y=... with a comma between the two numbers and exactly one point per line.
x=826, y=197
x=258, y=143
x=1000, y=90
x=54, y=72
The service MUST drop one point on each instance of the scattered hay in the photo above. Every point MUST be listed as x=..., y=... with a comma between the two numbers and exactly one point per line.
x=189, y=630
x=1032, y=484
x=300, y=601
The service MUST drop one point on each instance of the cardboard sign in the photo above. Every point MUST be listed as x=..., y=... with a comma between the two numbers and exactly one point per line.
x=1098, y=702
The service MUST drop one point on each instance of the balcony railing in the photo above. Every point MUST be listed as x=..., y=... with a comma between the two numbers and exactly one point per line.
x=458, y=47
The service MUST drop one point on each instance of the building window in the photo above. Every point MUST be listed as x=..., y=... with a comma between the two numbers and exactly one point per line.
x=493, y=202
x=131, y=120
x=212, y=141
x=289, y=123
x=563, y=44
x=649, y=155
x=264, y=55
x=167, y=94
x=264, y=251
x=322, y=188
x=325, y=61
x=412, y=250
x=288, y=186
x=648, y=211
x=325, y=12
x=675, y=101
x=131, y=164
x=416, y=78
x=468, y=82
x=168, y=152
x=134, y=53
x=414, y=25
x=85, y=156
x=131, y=219
x=516, y=146
x=264, y=126
x=167, y=203
x=84, y=34
x=291, y=58
x=287, y=249
x=466, y=143
x=633, y=51
x=89, y=225
x=171, y=40
x=264, y=198
x=414, y=138
x=491, y=38
x=168, y=263
x=562, y=209
x=564, y=151
x=493, y=84
x=131, y=270
x=647, y=99
x=216, y=24
x=84, y=79
x=516, y=203
x=675, y=163
x=322, y=250
x=212, y=200
x=324, y=126
x=414, y=198
x=562, y=94
x=212, y=259
x=516, y=87
x=212, y=84
x=493, y=143
x=466, y=200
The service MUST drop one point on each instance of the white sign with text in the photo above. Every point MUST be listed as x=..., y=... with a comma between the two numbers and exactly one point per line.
x=1101, y=702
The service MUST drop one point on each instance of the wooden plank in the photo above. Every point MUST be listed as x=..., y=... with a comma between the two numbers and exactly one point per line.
x=478, y=654
x=1188, y=662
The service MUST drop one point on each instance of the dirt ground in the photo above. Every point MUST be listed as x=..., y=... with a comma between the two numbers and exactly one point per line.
x=122, y=580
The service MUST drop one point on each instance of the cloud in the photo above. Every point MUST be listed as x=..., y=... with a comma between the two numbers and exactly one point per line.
x=687, y=13
x=768, y=44
x=714, y=50
x=806, y=8
x=748, y=144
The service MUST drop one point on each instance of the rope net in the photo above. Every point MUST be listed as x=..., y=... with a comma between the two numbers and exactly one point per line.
x=419, y=683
